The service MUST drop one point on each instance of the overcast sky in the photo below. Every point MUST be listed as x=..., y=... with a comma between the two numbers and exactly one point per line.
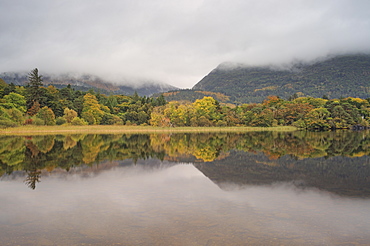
x=175, y=41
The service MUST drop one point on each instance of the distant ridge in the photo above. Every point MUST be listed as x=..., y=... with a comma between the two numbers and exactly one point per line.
x=335, y=77
x=86, y=82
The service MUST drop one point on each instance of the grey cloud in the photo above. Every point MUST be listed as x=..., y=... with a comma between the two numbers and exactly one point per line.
x=177, y=42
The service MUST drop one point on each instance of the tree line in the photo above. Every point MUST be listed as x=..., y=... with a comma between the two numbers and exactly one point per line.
x=33, y=154
x=39, y=105
x=309, y=113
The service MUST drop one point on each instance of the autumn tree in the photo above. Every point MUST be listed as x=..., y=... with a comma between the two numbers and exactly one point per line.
x=69, y=115
x=293, y=112
x=92, y=111
x=206, y=111
x=315, y=102
x=34, y=108
x=178, y=113
x=157, y=117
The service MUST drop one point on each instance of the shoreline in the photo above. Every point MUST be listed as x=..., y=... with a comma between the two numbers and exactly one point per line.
x=116, y=129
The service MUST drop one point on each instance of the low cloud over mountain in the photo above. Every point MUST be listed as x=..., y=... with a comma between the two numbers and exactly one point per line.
x=175, y=42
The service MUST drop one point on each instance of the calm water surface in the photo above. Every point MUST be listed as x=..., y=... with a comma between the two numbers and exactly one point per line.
x=231, y=189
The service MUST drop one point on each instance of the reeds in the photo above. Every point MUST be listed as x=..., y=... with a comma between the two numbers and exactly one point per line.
x=116, y=129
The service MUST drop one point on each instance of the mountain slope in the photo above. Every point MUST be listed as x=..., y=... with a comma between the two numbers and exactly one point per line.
x=86, y=82
x=341, y=76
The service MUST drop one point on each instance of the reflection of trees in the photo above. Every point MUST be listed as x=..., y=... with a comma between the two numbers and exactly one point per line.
x=92, y=145
x=32, y=165
x=205, y=147
x=33, y=178
x=33, y=154
x=307, y=144
x=11, y=153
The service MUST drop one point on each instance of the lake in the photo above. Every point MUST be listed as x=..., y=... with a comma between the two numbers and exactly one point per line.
x=256, y=188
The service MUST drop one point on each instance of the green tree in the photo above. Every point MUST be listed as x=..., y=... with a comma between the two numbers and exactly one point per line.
x=33, y=88
x=3, y=85
x=9, y=88
x=6, y=118
x=17, y=101
x=159, y=101
x=110, y=119
x=53, y=100
x=317, y=119
x=47, y=115
x=340, y=118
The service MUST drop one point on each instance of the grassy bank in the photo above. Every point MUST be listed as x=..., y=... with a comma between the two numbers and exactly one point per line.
x=111, y=129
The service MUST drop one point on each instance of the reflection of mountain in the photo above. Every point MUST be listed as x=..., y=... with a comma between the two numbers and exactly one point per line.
x=339, y=175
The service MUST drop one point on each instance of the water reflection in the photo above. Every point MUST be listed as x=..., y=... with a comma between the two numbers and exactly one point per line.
x=313, y=158
x=262, y=188
x=163, y=203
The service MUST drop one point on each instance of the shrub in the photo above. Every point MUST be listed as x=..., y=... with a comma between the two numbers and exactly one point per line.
x=60, y=121
x=299, y=124
x=110, y=119
x=5, y=122
x=28, y=122
x=77, y=121
x=221, y=123
x=38, y=122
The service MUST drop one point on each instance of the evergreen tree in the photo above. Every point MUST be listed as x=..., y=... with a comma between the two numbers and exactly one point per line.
x=33, y=88
x=34, y=78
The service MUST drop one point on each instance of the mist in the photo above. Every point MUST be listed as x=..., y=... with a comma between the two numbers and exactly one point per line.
x=175, y=42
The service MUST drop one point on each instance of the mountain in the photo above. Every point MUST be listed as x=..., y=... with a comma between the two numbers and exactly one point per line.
x=86, y=82
x=335, y=77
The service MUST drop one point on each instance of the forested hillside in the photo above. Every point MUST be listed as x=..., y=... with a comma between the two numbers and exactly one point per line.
x=338, y=77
